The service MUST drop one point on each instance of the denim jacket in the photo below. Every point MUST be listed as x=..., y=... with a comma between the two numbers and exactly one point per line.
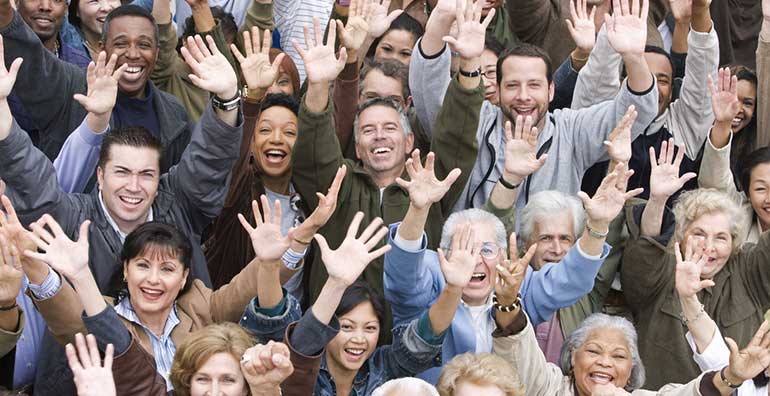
x=415, y=348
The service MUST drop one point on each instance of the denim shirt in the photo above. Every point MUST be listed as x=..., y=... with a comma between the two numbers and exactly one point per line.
x=415, y=348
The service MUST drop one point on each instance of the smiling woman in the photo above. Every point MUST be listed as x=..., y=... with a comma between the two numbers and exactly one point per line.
x=88, y=17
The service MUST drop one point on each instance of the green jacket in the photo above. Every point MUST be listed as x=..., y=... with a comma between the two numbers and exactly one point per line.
x=317, y=156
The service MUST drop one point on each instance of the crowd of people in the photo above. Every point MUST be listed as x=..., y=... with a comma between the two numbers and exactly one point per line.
x=384, y=198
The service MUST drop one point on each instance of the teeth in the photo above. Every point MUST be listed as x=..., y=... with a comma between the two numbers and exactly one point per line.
x=601, y=377
x=479, y=276
x=381, y=150
x=154, y=292
x=131, y=200
x=135, y=69
x=356, y=352
x=276, y=152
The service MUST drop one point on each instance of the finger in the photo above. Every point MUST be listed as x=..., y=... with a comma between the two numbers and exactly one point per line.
x=276, y=66
x=376, y=238
x=6, y=251
x=687, y=177
x=72, y=359
x=80, y=346
x=108, y=355
x=678, y=252
x=633, y=193
x=732, y=346
x=354, y=224
x=317, y=34
x=276, y=217
x=488, y=19
x=370, y=229
x=450, y=41
x=679, y=156
x=83, y=232
x=39, y=233
x=237, y=54
x=93, y=351
x=764, y=333
x=266, y=214
x=322, y=244
x=451, y=177
x=429, y=162
x=379, y=252
x=204, y=49
x=267, y=41
x=53, y=225
x=110, y=67
x=671, y=151
x=245, y=224
x=508, y=131
x=524, y=262
x=653, y=158
x=513, y=249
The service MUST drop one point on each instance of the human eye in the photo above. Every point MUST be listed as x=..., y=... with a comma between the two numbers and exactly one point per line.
x=346, y=327
x=372, y=329
x=265, y=131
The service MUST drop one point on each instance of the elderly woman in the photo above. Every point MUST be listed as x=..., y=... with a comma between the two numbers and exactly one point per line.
x=473, y=374
x=741, y=276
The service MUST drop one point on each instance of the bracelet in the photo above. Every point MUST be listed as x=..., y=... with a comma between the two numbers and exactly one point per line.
x=470, y=74
x=9, y=307
x=725, y=381
x=292, y=258
x=701, y=312
x=508, y=185
x=301, y=242
x=596, y=234
x=576, y=59
x=229, y=104
x=507, y=308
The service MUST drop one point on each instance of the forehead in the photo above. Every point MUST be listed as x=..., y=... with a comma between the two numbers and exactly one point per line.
x=524, y=68
x=378, y=114
x=376, y=81
x=608, y=338
x=131, y=26
x=555, y=224
x=746, y=89
x=761, y=172
x=488, y=58
x=159, y=254
x=482, y=231
x=28, y=4
x=220, y=363
x=399, y=38
x=362, y=313
x=278, y=114
x=133, y=157
x=713, y=223
x=658, y=63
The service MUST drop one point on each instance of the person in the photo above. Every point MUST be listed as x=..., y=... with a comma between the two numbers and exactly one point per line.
x=11, y=316
x=407, y=385
x=411, y=274
x=710, y=350
x=572, y=137
x=382, y=141
x=479, y=373
x=337, y=338
x=223, y=358
x=492, y=50
x=46, y=84
x=715, y=221
x=398, y=41
x=87, y=18
x=763, y=73
x=686, y=119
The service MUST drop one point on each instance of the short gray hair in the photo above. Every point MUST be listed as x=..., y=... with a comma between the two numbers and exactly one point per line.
x=543, y=205
x=473, y=216
x=603, y=321
x=406, y=386
x=403, y=119
x=693, y=204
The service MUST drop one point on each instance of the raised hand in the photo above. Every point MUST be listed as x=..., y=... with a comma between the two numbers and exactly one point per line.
x=324, y=210
x=266, y=366
x=681, y=9
x=58, y=250
x=471, y=30
x=11, y=228
x=581, y=27
x=10, y=272
x=619, y=145
x=354, y=33
x=724, y=98
x=458, y=268
x=689, y=269
x=609, y=197
x=211, y=70
x=664, y=175
x=102, y=78
x=92, y=378
x=510, y=273
x=423, y=186
x=627, y=26
x=745, y=364
x=266, y=238
x=321, y=65
x=7, y=76
x=521, y=149
x=346, y=264
x=256, y=69
x=766, y=9
x=378, y=17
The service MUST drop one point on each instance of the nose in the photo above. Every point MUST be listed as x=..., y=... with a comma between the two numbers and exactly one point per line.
x=133, y=183
x=106, y=6
x=523, y=94
x=154, y=276
x=556, y=246
x=604, y=361
x=275, y=136
x=358, y=337
x=131, y=53
x=45, y=5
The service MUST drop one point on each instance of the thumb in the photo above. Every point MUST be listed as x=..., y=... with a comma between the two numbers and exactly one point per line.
x=83, y=235
x=707, y=283
x=450, y=40
x=322, y=243
x=734, y=351
x=584, y=198
x=82, y=99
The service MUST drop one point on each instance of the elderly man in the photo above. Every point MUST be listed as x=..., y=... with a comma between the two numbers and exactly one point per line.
x=412, y=273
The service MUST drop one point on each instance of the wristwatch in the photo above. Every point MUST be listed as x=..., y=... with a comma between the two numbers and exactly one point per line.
x=725, y=381
x=508, y=184
x=227, y=104
x=469, y=74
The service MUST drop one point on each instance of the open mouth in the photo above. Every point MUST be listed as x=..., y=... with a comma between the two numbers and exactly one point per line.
x=274, y=156
x=101, y=19
x=736, y=122
x=151, y=294
x=478, y=277
x=130, y=201
x=600, y=378
x=381, y=151
x=526, y=111
x=133, y=73
x=43, y=21
x=354, y=353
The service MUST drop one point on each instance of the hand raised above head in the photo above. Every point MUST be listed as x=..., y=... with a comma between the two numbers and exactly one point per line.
x=321, y=64
x=511, y=272
x=521, y=150
x=664, y=176
x=211, y=70
x=257, y=71
x=619, y=143
x=266, y=238
x=68, y=257
x=458, y=267
x=627, y=26
x=689, y=269
x=102, y=78
x=582, y=27
x=609, y=198
x=324, y=210
x=423, y=186
x=471, y=29
x=353, y=33
x=724, y=97
x=92, y=378
x=266, y=365
x=379, y=19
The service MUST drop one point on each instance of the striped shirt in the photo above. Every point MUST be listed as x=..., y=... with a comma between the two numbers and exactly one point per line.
x=290, y=16
x=163, y=348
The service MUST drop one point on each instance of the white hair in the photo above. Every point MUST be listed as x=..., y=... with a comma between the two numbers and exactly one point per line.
x=405, y=386
x=546, y=204
x=473, y=216
x=403, y=118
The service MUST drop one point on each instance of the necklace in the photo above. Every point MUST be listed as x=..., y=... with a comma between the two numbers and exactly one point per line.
x=56, y=48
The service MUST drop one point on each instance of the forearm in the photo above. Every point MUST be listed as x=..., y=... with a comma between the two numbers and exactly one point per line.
x=593, y=245
x=437, y=27
x=6, y=119
x=9, y=320
x=503, y=197
x=764, y=32
x=263, y=390
x=36, y=271
x=204, y=20
x=317, y=96
x=228, y=117
x=161, y=11
x=88, y=293
x=443, y=310
x=700, y=325
x=639, y=76
x=652, y=217
x=504, y=319
x=679, y=41
x=412, y=227
x=701, y=19
x=720, y=134
x=269, y=292
x=98, y=122
x=469, y=65
x=328, y=300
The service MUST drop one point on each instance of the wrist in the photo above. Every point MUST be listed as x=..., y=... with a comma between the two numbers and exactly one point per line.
x=658, y=199
x=453, y=290
x=732, y=378
x=8, y=304
x=227, y=94
x=581, y=54
x=513, y=178
x=265, y=390
x=352, y=55
x=470, y=64
x=683, y=22
x=599, y=225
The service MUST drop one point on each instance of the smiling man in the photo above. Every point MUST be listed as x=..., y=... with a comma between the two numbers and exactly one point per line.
x=46, y=84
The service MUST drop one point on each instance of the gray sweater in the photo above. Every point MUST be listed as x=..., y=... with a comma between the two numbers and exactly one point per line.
x=577, y=135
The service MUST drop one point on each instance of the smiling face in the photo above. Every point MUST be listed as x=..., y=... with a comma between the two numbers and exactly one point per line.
x=524, y=89
x=554, y=238
x=747, y=95
x=397, y=45
x=132, y=39
x=222, y=369
x=381, y=143
x=712, y=232
x=274, y=138
x=485, y=273
x=661, y=68
x=154, y=277
x=129, y=183
x=378, y=85
x=489, y=78
x=356, y=341
x=604, y=358
x=93, y=12
x=759, y=193
x=45, y=17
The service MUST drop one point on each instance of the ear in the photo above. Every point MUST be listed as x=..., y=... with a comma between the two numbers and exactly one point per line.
x=99, y=176
x=408, y=103
x=184, y=277
x=125, y=270
x=100, y=46
x=409, y=143
x=551, y=90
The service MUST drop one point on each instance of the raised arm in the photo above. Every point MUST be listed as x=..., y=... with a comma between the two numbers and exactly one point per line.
x=762, y=111
x=627, y=33
x=582, y=28
x=688, y=284
x=599, y=79
x=266, y=367
x=682, y=12
x=259, y=15
x=321, y=65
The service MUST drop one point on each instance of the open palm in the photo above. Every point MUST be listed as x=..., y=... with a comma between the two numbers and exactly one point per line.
x=664, y=175
x=256, y=68
x=423, y=186
x=102, y=81
x=378, y=18
x=724, y=97
x=354, y=32
x=458, y=267
x=627, y=27
x=753, y=359
x=212, y=71
x=11, y=227
x=689, y=268
x=619, y=143
x=266, y=238
x=68, y=257
x=609, y=197
x=511, y=272
x=471, y=34
x=10, y=272
x=581, y=27
x=321, y=64
x=521, y=148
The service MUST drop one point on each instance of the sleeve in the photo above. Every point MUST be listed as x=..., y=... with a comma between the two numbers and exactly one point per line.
x=306, y=367
x=531, y=19
x=523, y=353
x=135, y=372
x=108, y=329
x=228, y=302
x=410, y=285
x=714, y=357
x=599, y=79
x=311, y=336
x=146, y=4
x=345, y=96
x=715, y=171
x=454, y=137
x=168, y=60
x=762, y=111
x=428, y=82
x=271, y=327
x=755, y=269
x=506, y=216
x=410, y=354
x=559, y=285
x=691, y=115
x=200, y=179
x=259, y=15
x=564, y=80
x=50, y=286
x=62, y=313
x=8, y=339
x=78, y=158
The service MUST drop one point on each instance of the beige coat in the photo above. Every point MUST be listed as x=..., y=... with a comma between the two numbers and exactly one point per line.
x=542, y=378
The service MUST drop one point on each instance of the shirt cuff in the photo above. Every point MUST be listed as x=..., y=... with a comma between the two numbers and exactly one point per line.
x=726, y=148
x=278, y=310
x=425, y=331
x=588, y=256
x=91, y=137
x=409, y=246
x=50, y=286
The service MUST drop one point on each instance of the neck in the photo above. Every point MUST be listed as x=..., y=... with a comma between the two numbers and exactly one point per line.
x=343, y=378
x=127, y=227
x=52, y=44
x=155, y=321
x=385, y=178
x=92, y=42
x=762, y=226
x=279, y=184
x=475, y=303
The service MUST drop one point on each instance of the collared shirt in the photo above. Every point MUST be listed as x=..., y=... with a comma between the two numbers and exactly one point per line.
x=163, y=347
x=483, y=324
x=122, y=235
x=28, y=346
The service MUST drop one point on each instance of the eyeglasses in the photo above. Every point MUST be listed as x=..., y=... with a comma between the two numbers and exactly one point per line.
x=490, y=74
x=294, y=203
x=489, y=251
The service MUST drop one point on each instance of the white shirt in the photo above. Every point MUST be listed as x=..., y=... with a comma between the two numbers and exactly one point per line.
x=122, y=235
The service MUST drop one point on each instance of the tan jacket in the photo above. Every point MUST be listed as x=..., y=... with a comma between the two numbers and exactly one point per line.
x=197, y=307
x=546, y=379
